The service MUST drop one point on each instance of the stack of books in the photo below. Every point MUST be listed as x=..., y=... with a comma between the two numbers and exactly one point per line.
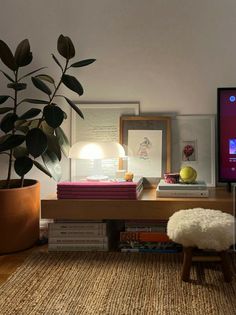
x=65, y=235
x=146, y=236
x=110, y=189
x=197, y=189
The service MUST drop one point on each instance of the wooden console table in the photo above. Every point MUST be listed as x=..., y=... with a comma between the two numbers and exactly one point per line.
x=148, y=207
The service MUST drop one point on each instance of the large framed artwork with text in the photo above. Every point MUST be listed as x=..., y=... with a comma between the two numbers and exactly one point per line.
x=101, y=123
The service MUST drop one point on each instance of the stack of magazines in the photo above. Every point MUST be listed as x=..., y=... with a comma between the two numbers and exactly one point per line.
x=110, y=189
x=66, y=235
x=147, y=236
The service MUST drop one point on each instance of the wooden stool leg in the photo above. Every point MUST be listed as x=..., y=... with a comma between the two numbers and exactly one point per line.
x=187, y=263
x=225, y=264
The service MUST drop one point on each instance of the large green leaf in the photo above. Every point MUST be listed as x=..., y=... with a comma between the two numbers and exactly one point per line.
x=11, y=142
x=75, y=107
x=34, y=101
x=39, y=84
x=21, y=123
x=23, y=165
x=20, y=151
x=65, y=47
x=36, y=142
x=23, y=55
x=4, y=138
x=34, y=123
x=23, y=129
x=32, y=112
x=7, y=76
x=65, y=115
x=53, y=165
x=7, y=56
x=46, y=77
x=48, y=130
x=73, y=84
x=42, y=168
x=63, y=141
x=82, y=63
x=4, y=98
x=4, y=110
x=53, y=146
x=53, y=115
x=57, y=62
x=8, y=121
x=17, y=86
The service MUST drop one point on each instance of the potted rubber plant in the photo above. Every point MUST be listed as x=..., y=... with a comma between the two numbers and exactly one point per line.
x=33, y=137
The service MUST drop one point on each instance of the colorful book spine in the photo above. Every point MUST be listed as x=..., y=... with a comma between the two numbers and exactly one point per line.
x=76, y=247
x=119, y=194
x=78, y=240
x=144, y=236
x=76, y=233
x=80, y=226
x=146, y=229
x=148, y=250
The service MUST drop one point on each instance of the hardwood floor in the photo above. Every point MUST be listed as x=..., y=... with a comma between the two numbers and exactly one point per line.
x=9, y=263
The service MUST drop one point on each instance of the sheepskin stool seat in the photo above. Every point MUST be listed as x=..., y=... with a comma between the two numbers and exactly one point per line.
x=205, y=229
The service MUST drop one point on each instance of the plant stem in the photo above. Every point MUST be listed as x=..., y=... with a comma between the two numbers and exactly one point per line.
x=59, y=83
x=13, y=132
x=22, y=181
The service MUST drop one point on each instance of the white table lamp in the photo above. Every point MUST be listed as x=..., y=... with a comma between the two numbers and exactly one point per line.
x=96, y=151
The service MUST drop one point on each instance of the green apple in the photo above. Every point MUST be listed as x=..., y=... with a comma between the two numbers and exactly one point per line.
x=188, y=174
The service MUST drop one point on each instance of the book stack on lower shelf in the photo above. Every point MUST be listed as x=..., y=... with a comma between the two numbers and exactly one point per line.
x=77, y=236
x=147, y=236
x=110, y=189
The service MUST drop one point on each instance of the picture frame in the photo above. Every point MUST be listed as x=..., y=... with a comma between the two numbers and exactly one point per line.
x=101, y=123
x=147, y=142
x=196, y=134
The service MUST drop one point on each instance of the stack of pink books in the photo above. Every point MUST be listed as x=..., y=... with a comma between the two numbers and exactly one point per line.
x=100, y=190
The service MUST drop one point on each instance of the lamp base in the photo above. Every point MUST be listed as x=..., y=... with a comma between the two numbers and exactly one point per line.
x=96, y=178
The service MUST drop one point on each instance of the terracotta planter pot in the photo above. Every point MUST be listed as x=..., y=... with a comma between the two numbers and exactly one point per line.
x=19, y=216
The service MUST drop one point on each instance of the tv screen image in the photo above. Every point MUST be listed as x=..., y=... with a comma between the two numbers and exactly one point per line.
x=227, y=134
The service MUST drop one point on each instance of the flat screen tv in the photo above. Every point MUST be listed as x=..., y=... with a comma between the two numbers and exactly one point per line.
x=226, y=113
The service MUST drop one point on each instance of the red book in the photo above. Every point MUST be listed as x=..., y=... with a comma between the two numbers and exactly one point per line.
x=98, y=185
x=122, y=194
x=144, y=236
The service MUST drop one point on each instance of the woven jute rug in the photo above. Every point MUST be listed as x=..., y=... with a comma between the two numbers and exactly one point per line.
x=115, y=284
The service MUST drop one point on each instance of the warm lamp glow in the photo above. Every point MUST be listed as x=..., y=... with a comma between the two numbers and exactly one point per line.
x=96, y=150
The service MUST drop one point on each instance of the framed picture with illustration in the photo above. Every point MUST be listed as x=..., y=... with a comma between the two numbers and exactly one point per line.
x=146, y=140
x=193, y=144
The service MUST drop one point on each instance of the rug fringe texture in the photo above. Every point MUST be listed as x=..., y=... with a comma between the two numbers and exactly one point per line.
x=96, y=283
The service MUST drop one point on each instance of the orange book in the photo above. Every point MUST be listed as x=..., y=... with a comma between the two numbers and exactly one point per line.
x=144, y=236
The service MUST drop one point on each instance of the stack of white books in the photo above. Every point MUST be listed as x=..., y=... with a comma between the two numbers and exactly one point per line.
x=65, y=235
x=194, y=190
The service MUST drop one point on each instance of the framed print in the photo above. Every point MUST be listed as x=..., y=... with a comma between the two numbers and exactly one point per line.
x=193, y=144
x=146, y=140
x=101, y=123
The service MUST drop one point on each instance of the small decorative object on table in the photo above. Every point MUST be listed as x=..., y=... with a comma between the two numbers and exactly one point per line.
x=188, y=175
x=171, y=178
x=129, y=176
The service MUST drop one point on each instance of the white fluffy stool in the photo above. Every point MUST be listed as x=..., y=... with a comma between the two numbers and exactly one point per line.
x=204, y=229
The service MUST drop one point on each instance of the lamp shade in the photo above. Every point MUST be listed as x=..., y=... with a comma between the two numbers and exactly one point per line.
x=96, y=150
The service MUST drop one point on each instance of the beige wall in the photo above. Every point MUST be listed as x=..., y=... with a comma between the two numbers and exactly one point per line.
x=170, y=55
